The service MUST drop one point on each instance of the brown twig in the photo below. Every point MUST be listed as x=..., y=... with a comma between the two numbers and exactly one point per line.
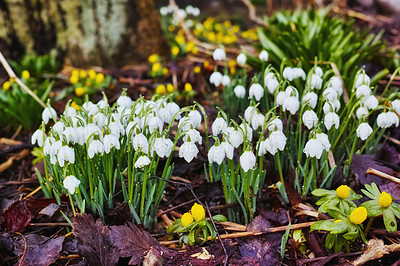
x=71, y=256
x=252, y=14
x=175, y=207
x=395, y=141
x=25, y=247
x=49, y=224
x=383, y=175
x=12, y=75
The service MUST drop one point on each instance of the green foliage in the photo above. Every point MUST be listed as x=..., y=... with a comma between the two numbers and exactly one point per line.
x=37, y=65
x=330, y=199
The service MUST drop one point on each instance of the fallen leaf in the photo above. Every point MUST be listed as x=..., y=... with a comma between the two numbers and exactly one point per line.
x=40, y=250
x=95, y=241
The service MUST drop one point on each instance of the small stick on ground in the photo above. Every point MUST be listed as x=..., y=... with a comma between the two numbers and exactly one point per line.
x=49, y=224
x=25, y=247
x=383, y=175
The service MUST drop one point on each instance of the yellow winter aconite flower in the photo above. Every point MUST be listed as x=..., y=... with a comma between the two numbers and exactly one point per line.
x=198, y=212
x=175, y=50
x=343, y=191
x=79, y=91
x=197, y=69
x=180, y=39
x=206, y=63
x=99, y=78
x=161, y=89
x=153, y=58
x=164, y=71
x=82, y=74
x=188, y=87
x=170, y=88
x=156, y=67
x=189, y=46
x=195, y=50
x=358, y=215
x=92, y=74
x=75, y=106
x=74, y=79
x=186, y=219
x=385, y=200
x=171, y=28
x=6, y=85
x=75, y=72
x=26, y=74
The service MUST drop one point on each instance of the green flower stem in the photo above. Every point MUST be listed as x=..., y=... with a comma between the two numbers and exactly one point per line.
x=305, y=176
x=369, y=139
x=353, y=147
x=143, y=192
x=346, y=246
x=315, y=164
x=72, y=203
x=246, y=190
x=132, y=180
x=278, y=161
x=369, y=225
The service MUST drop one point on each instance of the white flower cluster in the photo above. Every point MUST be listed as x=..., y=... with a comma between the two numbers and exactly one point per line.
x=183, y=13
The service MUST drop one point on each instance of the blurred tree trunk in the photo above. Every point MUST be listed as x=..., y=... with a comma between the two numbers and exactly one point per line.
x=86, y=32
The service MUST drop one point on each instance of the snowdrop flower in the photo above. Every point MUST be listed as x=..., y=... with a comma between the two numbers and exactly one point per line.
x=291, y=91
x=247, y=131
x=226, y=81
x=195, y=117
x=165, y=115
x=363, y=91
x=318, y=71
x=323, y=138
x=280, y=98
x=331, y=106
x=71, y=183
x=219, y=126
x=257, y=121
x=249, y=113
x=162, y=146
x=262, y=148
x=71, y=135
x=288, y=73
x=396, y=106
x=109, y=142
x=362, y=111
x=65, y=154
x=235, y=136
x=219, y=54
x=310, y=119
x=124, y=101
x=271, y=82
x=216, y=78
x=256, y=91
x=48, y=113
x=371, y=102
x=174, y=109
x=315, y=82
x=335, y=83
x=188, y=151
x=154, y=123
x=241, y=59
x=313, y=148
x=278, y=139
x=239, y=91
x=216, y=154
x=310, y=98
x=92, y=130
x=331, y=119
x=142, y=161
x=38, y=136
x=386, y=120
x=102, y=104
x=99, y=119
x=247, y=161
x=91, y=108
x=69, y=112
x=362, y=79
x=185, y=124
x=330, y=94
x=275, y=124
x=140, y=142
x=228, y=149
x=263, y=56
x=364, y=130
x=194, y=136
x=54, y=149
x=95, y=147
x=47, y=145
x=116, y=129
x=164, y=10
x=291, y=104
x=272, y=149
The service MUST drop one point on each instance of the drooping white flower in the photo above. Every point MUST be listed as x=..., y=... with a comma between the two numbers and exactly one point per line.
x=315, y=82
x=185, y=124
x=271, y=82
x=165, y=115
x=117, y=129
x=256, y=91
x=272, y=149
x=71, y=135
x=291, y=104
x=280, y=98
x=363, y=91
x=102, y=104
x=288, y=73
x=195, y=117
x=362, y=111
x=91, y=108
x=275, y=124
x=247, y=161
x=330, y=94
x=362, y=79
x=335, y=83
x=219, y=126
x=291, y=91
x=154, y=123
x=241, y=59
x=235, y=136
x=71, y=183
x=65, y=154
x=364, y=130
x=263, y=56
x=54, y=149
x=219, y=54
x=262, y=148
x=188, y=151
x=162, y=146
x=194, y=136
x=371, y=102
x=38, y=136
x=249, y=113
x=278, y=139
x=59, y=127
x=140, y=142
x=69, y=112
x=323, y=138
x=388, y=119
x=124, y=101
x=247, y=131
x=396, y=106
x=239, y=91
x=319, y=72
x=49, y=113
x=331, y=119
x=142, y=161
x=99, y=119
x=310, y=98
x=228, y=148
x=313, y=148
x=216, y=78
x=310, y=119
x=90, y=131
x=216, y=154
x=226, y=81
x=174, y=109
x=48, y=144
x=257, y=121
x=95, y=147
x=331, y=106
x=111, y=141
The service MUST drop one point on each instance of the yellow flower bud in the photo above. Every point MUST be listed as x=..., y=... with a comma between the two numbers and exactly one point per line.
x=170, y=88
x=180, y=39
x=6, y=85
x=186, y=219
x=153, y=58
x=358, y=215
x=188, y=87
x=79, y=91
x=343, y=191
x=74, y=79
x=82, y=74
x=92, y=74
x=75, y=106
x=197, y=69
x=161, y=89
x=232, y=63
x=26, y=74
x=198, y=212
x=190, y=46
x=206, y=63
x=195, y=50
x=75, y=72
x=175, y=50
x=156, y=67
x=385, y=200
x=99, y=78
x=164, y=71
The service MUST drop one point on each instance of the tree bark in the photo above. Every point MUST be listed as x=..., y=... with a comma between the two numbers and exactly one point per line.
x=86, y=32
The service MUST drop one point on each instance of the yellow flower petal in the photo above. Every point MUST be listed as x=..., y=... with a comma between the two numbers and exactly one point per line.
x=343, y=191
x=385, y=200
x=198, y=212
x=358, y=215
x=186, y=219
